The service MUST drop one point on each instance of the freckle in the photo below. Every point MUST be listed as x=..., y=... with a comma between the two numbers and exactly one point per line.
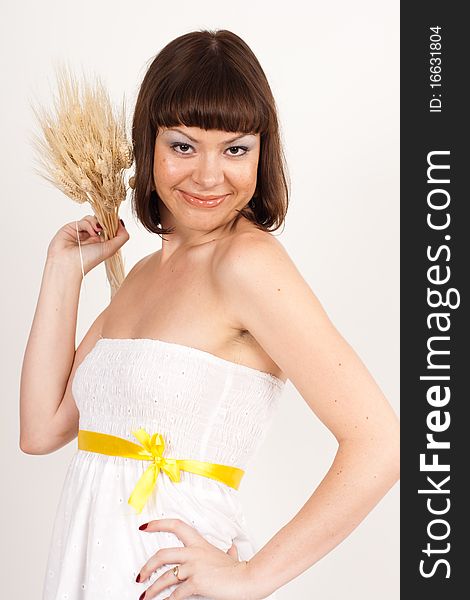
x=278, y=289
x=339, y=364
x=367, y=417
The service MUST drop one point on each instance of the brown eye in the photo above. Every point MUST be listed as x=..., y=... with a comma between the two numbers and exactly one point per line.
x=182, y=146
x=244, y=148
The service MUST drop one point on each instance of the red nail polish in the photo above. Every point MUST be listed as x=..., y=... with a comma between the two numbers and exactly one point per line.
x=144, y=526
x=138, y=578
x=142, y=596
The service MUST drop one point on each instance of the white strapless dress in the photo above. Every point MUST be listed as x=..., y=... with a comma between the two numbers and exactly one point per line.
x=206, y=408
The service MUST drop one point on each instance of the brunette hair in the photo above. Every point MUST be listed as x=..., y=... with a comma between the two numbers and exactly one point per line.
x=212, y=80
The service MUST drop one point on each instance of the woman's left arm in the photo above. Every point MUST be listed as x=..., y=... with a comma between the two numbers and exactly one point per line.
x=263, y=290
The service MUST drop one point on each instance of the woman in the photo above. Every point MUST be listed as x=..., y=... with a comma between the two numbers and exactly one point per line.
x=190, y=357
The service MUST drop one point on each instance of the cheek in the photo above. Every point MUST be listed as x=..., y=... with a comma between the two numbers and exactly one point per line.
x=245, y=178
x=166, y=169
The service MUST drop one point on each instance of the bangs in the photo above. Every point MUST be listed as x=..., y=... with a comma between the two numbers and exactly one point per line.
x=210, y=95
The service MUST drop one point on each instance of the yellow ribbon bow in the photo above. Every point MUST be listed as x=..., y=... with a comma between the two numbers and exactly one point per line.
x=152, y=449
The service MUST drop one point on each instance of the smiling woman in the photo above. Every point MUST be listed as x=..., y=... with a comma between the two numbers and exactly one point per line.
x=173, y=388
x=216, y=86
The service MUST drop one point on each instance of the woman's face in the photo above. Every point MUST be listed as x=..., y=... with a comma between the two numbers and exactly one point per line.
x=203, y=176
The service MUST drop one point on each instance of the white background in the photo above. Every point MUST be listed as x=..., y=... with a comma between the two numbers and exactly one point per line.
x=333, y=69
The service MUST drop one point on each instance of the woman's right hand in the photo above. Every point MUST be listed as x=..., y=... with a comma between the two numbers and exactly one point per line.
x=63, y=247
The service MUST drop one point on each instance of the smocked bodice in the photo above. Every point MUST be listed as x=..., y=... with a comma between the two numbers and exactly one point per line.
x=207, y=408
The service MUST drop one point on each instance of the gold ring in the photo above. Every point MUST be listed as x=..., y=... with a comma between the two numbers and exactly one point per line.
x=175, y=572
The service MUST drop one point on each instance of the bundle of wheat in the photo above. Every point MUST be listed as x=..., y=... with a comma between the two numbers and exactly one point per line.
x=84, y=152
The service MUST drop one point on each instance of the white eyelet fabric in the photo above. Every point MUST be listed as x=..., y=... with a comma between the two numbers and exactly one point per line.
x=206, y=408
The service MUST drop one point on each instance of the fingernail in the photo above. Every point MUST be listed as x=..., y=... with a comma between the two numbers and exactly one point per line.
x=138, y=578
x=122, y=222
x=144, y=526
x=142, y=596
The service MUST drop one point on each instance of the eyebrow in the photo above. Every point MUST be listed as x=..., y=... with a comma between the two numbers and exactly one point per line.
x=196, y=141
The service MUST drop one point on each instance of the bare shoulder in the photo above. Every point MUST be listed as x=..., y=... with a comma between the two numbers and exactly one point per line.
x=244, y=253
x=253, y=270
x=248, y=257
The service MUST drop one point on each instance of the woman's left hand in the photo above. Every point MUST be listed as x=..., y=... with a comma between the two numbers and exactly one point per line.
x=203, y=568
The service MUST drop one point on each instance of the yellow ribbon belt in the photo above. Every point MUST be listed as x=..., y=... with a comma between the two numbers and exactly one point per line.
x=152, y=449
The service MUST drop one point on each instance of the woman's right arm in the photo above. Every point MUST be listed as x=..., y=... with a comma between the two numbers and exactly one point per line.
x=48, y=414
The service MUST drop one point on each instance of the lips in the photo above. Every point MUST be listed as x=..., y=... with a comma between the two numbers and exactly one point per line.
x=203, y=202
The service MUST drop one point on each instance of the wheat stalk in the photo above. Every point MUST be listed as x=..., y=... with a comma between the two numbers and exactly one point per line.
x=84, y=152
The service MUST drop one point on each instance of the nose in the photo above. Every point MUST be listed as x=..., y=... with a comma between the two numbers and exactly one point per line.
x=208, y=171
